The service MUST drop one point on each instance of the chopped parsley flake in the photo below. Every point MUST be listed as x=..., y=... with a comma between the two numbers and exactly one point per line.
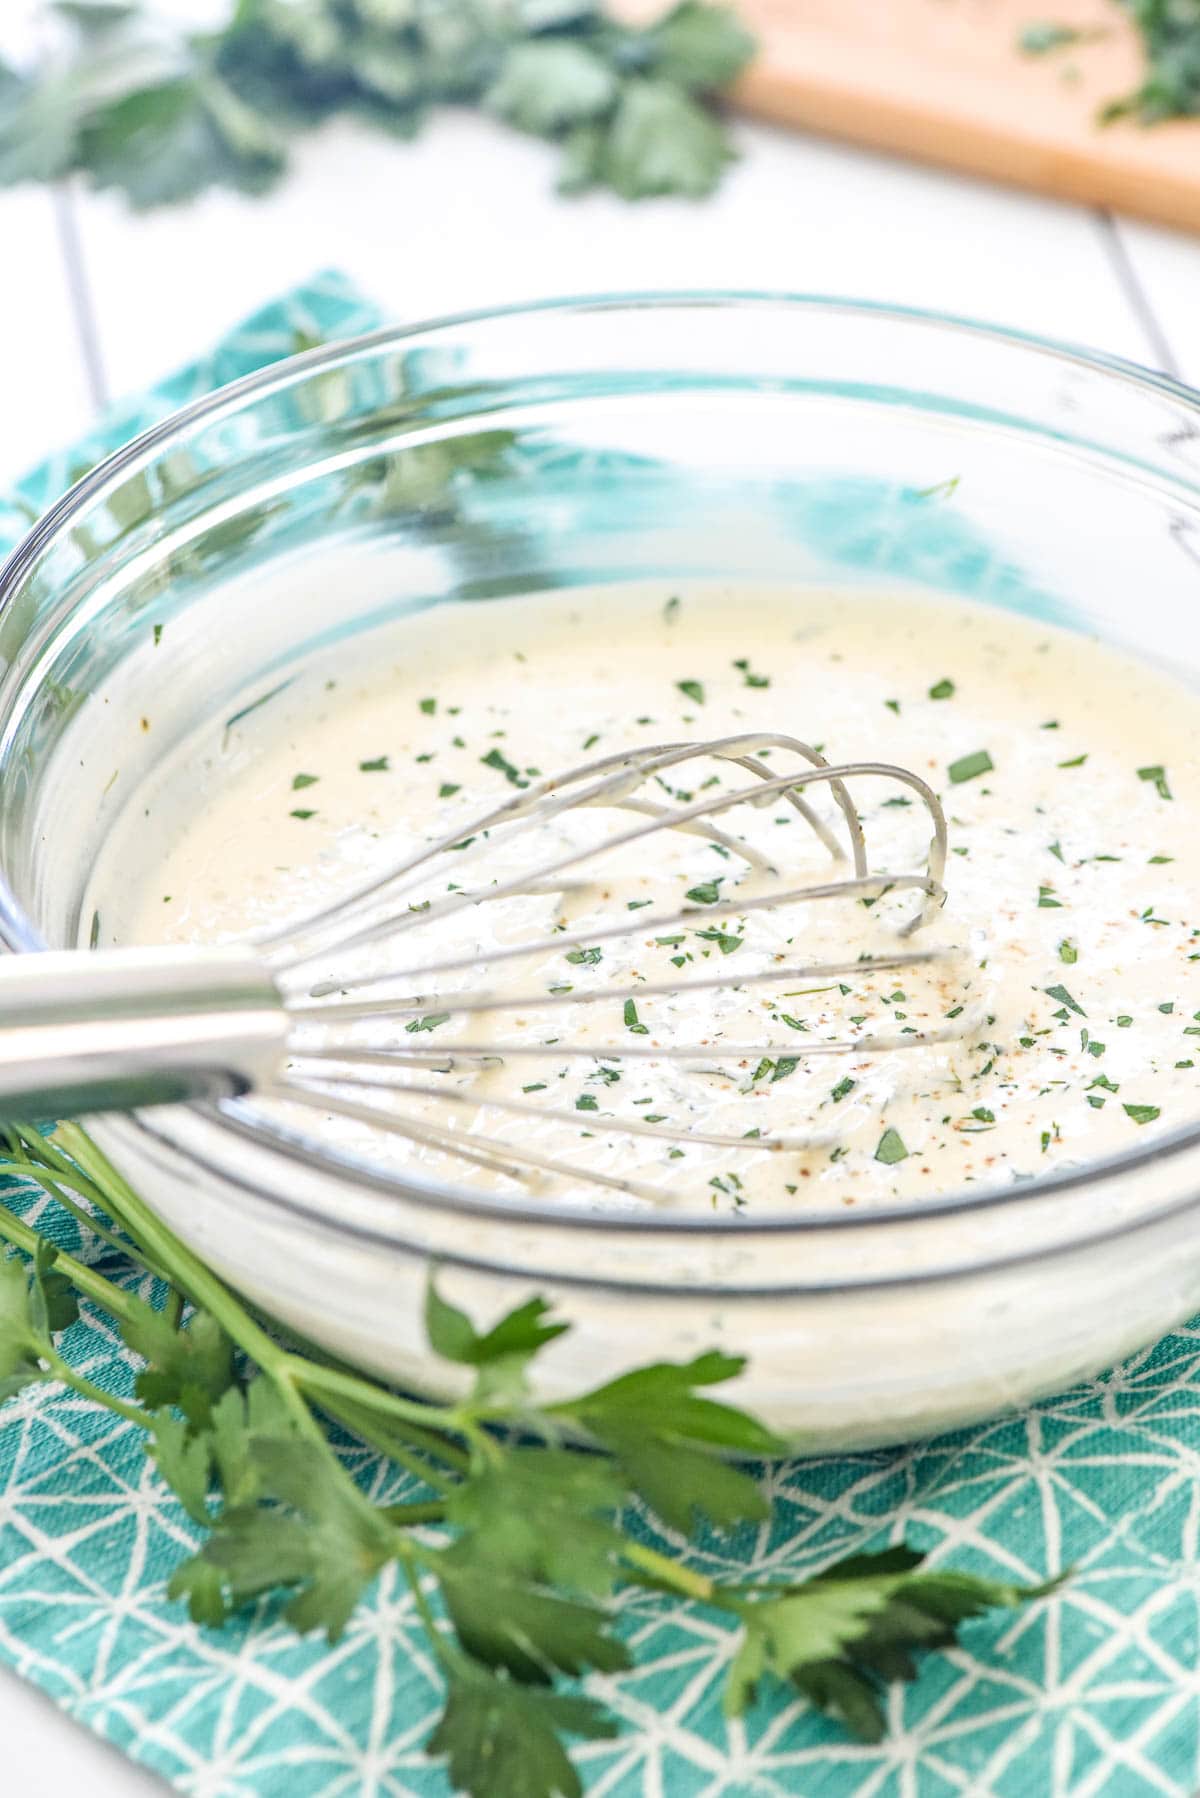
x=304, y=780
x=1142, y=1114
x=891, y=1148
x=724, y=941
x=585, y=957
x=842, y=1088
x=1067, y=952
x=1075, y=761
x=631, y=1019
x=378, y=766
x=448, y=789
x=300, y=812
x=495, y=759
x=1157, y=775
x=1064, y=998
x=970, y=767
x=1047, y=901
x=943, y=689
x=433, y=1021
x=692, y=689
x=429, y=707
x=707, y=893
x=943, y=489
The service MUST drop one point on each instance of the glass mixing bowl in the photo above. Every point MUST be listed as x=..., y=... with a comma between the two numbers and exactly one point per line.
x=749, y=437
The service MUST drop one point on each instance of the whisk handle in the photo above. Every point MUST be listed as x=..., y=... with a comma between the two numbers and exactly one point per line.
x=113, y=1030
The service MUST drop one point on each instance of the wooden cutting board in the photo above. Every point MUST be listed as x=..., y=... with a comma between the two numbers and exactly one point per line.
x=944, y=81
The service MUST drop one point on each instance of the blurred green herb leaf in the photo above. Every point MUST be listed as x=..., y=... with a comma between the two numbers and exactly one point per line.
x=162, y=113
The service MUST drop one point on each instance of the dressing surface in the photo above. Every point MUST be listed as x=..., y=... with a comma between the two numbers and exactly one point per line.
x=1069, y=877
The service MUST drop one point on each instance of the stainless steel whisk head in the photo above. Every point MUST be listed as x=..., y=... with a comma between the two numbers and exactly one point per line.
x=338, y=1013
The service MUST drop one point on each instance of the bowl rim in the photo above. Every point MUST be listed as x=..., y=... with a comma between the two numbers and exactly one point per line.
x=230, y=1121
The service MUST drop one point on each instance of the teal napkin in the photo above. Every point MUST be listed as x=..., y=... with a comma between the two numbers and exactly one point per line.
x=1092, y=1693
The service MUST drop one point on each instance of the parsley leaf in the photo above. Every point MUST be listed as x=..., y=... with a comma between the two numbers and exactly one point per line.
x=501, y=1738
x=702, y=48
x=452, y=1335
x=661, y=141
x=548, y=84
x=663, y=1398
x=837, y=1637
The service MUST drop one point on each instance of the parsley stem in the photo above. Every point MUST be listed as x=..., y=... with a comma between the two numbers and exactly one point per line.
x=437, y=1640
x=667, y=1572
x=30, y=1171
x=74, y=1150
x=384, y=1439
x=185, y=1270
x=73, y=1155
x=85, y=1279
x=416, y=1415
x=62, y=1370
x=411, y=1515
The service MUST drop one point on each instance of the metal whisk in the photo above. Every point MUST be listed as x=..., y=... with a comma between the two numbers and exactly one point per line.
x=337, y=1013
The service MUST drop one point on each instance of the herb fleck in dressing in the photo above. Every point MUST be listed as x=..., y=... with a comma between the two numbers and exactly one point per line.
x=1072, y=883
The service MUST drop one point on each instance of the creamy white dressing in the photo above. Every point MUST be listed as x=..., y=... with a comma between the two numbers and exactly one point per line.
x=1071, y=885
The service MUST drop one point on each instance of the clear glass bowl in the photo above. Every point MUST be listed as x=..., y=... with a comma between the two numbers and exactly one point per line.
x=758, y=437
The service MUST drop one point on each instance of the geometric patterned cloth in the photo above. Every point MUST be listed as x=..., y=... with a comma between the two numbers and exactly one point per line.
x=1093, y=1692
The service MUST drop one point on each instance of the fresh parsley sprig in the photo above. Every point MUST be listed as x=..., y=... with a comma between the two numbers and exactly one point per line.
x=513, y=1545
x=1170, y=32
x=161, y=113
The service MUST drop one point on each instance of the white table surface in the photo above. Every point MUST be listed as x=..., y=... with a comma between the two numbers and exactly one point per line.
x=95, y=302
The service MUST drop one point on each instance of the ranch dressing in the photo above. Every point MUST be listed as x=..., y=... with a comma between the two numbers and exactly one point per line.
x=1070, y=777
